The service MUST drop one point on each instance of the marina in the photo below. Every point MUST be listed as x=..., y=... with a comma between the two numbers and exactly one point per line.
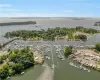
x=60, y=65
x=79, y=67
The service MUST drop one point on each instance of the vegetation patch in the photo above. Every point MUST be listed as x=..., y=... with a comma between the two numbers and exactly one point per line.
x=97, y=47
x=51, y=33
x=16, y=62
x=68, y=51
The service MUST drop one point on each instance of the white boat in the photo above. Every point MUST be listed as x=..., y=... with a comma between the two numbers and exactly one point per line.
x=81, y=46
x=63, y=59
x=71, y=63
x=57, y=52
x=59, y=57
x=53, y=66
x=47, y=57
x=8, y=77
x=22, y=72
x=88, y=70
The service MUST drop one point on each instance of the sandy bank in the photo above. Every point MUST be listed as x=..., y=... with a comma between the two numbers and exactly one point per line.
x=38, y=57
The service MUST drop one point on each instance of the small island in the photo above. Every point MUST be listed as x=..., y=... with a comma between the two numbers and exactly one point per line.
x=97, y=23
x=18, y=23
x=78, y=33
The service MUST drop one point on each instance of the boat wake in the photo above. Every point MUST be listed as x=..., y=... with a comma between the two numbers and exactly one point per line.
x=47, y=74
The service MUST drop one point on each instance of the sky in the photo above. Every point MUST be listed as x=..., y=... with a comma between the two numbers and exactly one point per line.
x=49, y=8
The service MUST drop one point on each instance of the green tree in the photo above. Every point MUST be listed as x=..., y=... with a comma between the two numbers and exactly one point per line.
x=4, y=73
x=81, y=37
x=67, y=51
x=1, y=60
x=18, y=68
x=97, y=46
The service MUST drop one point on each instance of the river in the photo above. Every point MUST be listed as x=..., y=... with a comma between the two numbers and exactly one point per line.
x=63, y=71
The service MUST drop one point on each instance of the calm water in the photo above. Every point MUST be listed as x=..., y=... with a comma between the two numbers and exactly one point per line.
x=63, y=71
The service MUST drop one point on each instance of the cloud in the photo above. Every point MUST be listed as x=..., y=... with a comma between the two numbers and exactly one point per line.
x=28, y=14
x=9, y=10
x=5, y=5
x=25, y=14
x=68, y=11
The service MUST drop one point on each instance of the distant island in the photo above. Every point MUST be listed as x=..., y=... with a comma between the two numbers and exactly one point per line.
x=78, y=33
x=97, y=23
x=18, y=23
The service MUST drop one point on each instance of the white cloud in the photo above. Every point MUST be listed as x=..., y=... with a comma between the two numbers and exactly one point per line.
x=9, y=10
x=5, y=5
x=68, y=11
x=25, y=14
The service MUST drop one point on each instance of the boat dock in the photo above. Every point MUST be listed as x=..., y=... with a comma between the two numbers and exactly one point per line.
x=79, y=67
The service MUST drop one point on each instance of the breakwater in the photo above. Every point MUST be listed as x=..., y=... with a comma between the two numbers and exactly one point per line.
x=3, y=45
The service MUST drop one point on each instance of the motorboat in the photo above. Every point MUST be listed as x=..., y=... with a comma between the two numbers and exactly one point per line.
x=47, y=57
x=22, y=72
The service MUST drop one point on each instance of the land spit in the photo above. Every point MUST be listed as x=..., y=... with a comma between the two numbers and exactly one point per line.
x=47, y=74
x=38, y=57
x=87, y=58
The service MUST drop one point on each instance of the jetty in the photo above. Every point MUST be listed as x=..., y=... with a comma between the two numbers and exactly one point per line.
x=3, y=45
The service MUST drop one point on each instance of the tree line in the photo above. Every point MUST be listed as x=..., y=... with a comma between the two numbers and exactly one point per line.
x=51, y=33
x=16, y=62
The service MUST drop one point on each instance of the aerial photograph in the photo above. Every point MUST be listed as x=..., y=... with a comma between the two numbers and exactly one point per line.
x=49, y=39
